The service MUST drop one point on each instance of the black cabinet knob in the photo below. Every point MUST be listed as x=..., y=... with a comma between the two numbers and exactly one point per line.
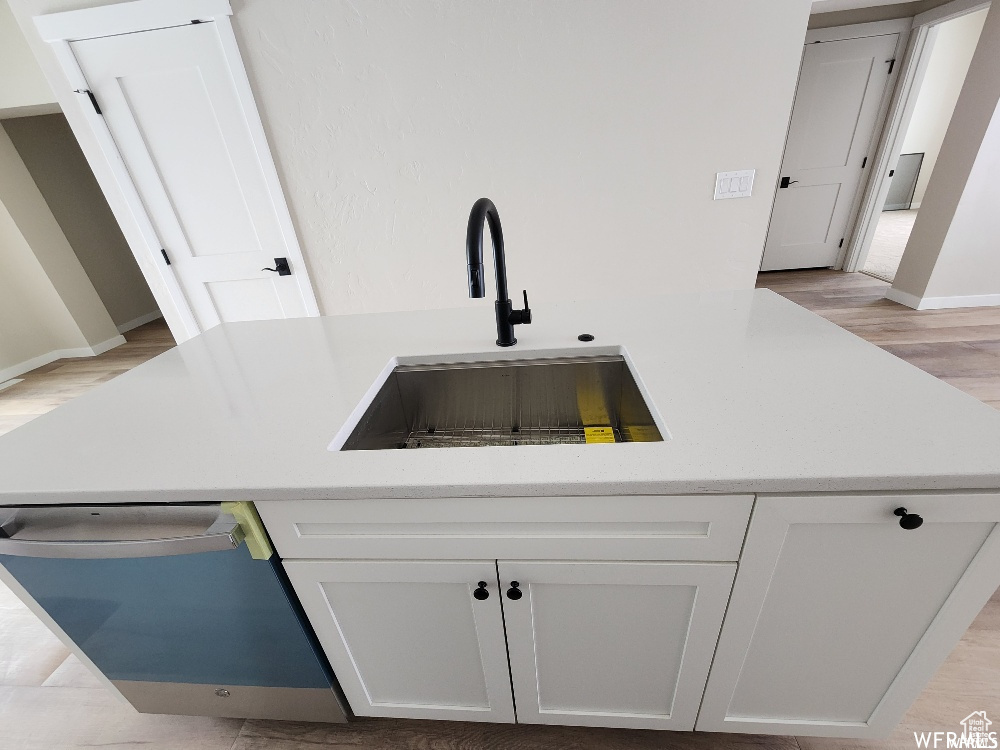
x=481, y=593
x=908, y=521
x=514, y=592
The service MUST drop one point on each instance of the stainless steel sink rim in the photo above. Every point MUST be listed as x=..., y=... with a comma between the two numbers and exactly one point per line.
x=505, y=402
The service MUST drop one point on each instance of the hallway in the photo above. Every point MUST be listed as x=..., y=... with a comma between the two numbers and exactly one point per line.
x=887, y=247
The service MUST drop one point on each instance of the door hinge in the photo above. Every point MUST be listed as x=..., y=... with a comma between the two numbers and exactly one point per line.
x=93, y=99
x=166, y=258
x=863, y=162
x=892, y=64
x=841, y=242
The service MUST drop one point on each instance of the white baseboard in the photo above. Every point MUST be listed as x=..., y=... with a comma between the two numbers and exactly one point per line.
x=43, y=359
x=140, y=321
x=98, y=348
x=941, y=303
x=910, y=300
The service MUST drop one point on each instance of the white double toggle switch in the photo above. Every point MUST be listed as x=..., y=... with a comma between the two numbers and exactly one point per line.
x=737, y=184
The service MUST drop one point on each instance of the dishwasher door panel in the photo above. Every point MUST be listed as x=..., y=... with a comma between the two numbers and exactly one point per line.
x=214, y=617
x=214, y=633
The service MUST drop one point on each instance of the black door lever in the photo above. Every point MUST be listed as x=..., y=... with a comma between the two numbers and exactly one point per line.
x=786, y=181
x=280, y=267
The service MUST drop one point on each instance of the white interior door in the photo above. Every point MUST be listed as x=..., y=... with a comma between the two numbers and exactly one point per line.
x=613, y=644
x=411, y=639
x=841, y=88
x=185, y=126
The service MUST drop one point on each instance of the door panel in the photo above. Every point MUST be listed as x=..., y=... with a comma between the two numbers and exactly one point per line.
x=613, y=644
x=176, y=116
x=841, y=90
x=837, y=612
x=806, y=214
x=409, y=639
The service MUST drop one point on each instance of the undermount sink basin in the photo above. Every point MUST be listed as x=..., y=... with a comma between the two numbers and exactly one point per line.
x=589, y=399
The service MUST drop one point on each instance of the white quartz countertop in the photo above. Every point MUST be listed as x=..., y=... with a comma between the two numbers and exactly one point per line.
x=759, y=395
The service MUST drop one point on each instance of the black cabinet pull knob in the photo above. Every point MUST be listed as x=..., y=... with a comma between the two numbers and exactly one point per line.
x=908, y=521
x=481, y=593
x=514, y=592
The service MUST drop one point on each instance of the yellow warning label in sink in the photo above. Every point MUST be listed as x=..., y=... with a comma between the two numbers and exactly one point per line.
x=599, y=434
x=642, y=434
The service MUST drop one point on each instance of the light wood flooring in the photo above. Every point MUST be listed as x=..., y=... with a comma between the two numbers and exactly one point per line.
x=44, y=389
x=49, y=701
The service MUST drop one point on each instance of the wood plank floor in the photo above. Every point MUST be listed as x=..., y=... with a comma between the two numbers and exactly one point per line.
x=44, y=389
x=48, y=700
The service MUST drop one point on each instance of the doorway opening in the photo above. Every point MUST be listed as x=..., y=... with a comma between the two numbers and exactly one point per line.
x=54, y=161
x=947, y=63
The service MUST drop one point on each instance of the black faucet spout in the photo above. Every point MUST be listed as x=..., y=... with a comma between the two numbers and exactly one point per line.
x=484, y=212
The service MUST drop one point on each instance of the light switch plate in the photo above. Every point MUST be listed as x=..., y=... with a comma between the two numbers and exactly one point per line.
x=738, y=184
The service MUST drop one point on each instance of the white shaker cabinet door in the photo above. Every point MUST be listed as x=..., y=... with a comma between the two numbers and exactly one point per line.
x=612, y=644
x=839, y=616
x=411, y=639
x=184, y=123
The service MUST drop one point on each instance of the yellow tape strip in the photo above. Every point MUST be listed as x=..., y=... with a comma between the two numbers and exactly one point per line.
x=256, y=537
x=643, y=433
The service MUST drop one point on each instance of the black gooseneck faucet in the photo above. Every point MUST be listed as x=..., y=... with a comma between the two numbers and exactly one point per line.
x=483, y=210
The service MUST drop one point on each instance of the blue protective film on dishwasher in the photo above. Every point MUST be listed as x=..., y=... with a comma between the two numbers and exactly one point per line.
x=212, y=617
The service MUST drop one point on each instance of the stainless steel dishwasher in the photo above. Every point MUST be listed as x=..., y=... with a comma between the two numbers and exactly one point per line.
x=171, y=606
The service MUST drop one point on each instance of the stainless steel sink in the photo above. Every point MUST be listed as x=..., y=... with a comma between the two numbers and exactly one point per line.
x=513, y=402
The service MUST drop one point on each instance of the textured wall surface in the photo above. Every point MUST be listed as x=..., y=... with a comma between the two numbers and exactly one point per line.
x=596, y=127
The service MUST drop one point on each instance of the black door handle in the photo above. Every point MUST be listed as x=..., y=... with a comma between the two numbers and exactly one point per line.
x=908, y=521
x=786, y=181
x=514, y=592
x=481, y=593
x=280, y=267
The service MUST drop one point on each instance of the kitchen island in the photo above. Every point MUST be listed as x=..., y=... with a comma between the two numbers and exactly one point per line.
x=626, y=554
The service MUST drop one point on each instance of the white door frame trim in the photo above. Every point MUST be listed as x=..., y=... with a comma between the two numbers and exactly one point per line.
x=858, y=30
x=59, y=29
x=127, y=18
x=890, y=141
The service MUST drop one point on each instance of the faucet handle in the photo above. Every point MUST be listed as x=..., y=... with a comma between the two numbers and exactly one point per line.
x=521, y=317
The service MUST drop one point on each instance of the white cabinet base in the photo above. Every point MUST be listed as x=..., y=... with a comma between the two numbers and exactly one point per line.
x=409, y=639
x=839, y=617
x=613, y=644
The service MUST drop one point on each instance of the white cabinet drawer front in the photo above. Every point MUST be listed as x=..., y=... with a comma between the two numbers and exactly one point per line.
x=613, y=644
x=701, y=527
x=410, y=639
x=839, y=616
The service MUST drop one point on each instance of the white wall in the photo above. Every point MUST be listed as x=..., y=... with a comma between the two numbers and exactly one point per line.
x=952, y=258
x=52, y=156
x=596, y=126
x=949, y=62
x=33, y=320
x=55, y=306
x=23, y=88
